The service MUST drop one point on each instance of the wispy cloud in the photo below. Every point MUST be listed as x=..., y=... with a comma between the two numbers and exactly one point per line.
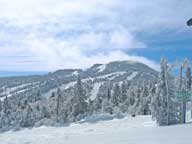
x=77, y=33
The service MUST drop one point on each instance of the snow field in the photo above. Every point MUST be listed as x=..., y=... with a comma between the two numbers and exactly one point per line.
x=129, y=130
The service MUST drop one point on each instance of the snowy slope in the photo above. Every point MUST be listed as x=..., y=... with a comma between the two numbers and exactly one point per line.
x=95, y=90
x=17, y=89
x=101, y=68
x=62, y=87
x=96, y=86
x=113, y=72
x=132, y=76
x=138, y=130
x=111, y=76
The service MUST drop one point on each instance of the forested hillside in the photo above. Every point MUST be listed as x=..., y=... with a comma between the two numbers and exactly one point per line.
x=116, y=88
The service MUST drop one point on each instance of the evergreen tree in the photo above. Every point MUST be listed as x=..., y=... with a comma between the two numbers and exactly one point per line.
x=123, y=92
x=188, y=80
x=164, y=104
x=108, y=94
x=6, y=105
x=115, y=99
x=28, y=117
x=144, y=101
x=181, y=88
x=79, y=101
x=58, y=100
x=52, y=95
x=38, y=96
x=107, y=106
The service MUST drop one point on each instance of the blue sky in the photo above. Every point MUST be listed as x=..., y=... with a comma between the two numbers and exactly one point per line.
x=46, y=35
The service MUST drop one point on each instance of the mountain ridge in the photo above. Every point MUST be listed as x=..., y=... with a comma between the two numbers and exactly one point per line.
x=98, y=74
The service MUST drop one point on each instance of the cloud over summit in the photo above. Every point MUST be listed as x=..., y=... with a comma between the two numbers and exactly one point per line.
x=78, y=33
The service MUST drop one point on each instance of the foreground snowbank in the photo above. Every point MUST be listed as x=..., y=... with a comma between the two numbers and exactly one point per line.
x=102, y=117
x=128, y=130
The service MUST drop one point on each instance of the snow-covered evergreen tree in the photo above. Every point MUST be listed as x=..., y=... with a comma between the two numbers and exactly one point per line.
x=28, y=119
x=58, y=105
x=38, y=96
x=144, y=101
x=164, y=103
x=188, y=79
x=108, y=94
x=107, y=106
x=123, y=92
x=79, y=101
x=98, y=102
x=6, y=105
x=115, y=99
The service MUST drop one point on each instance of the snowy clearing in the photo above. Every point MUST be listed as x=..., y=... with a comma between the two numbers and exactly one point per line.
x=12, y=89
x=62, y=87
x=111, y=76
x=101, y=68
x=75, y=73
x=132, y=76
x=140, y=129
x=95, y=90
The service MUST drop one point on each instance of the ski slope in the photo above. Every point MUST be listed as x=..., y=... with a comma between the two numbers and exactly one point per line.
x=95, y=90
x=138, y=130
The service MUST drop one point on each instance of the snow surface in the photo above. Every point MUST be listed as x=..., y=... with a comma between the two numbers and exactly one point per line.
x=12, y=89
x=75, y=73
x=111, y=76
x=62, y=87
x=132, y=76
x=95, y=90
x=3, y=98
x=67, y=86
x=101, y=68
x=132, y=62
x=129, y=130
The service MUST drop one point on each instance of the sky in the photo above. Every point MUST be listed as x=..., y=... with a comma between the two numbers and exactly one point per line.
x=46, y=35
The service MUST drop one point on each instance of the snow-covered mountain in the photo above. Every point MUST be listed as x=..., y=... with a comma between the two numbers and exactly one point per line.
x=66, y=96
x=94, y=78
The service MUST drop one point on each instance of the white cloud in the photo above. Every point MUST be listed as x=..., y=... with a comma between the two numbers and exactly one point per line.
x=79, y=33
x=125, y=40
x=73, y=52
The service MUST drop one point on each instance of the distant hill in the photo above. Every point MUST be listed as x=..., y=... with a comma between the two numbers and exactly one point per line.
x=21, y=73
x=95, y=76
